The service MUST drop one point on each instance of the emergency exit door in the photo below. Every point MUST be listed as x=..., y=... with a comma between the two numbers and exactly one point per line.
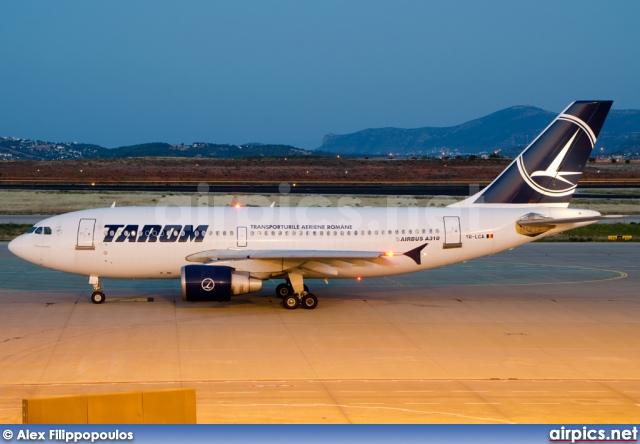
x=242, y=236
x=452, y=234
x=86, y=228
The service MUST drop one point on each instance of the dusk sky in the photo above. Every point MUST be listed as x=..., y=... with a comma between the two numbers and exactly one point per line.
x=125, y=72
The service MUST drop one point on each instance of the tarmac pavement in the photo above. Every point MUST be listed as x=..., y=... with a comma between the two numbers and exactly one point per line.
x=546, y=333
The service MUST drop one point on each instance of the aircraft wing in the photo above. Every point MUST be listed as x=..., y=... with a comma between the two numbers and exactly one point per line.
x=230, y=255
x=301, y=255
x=563, y=221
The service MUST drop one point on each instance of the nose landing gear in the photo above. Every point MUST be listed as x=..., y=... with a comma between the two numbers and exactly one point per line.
x=97, y=297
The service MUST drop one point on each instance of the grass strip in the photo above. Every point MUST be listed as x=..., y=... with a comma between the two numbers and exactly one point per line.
x=598, y=233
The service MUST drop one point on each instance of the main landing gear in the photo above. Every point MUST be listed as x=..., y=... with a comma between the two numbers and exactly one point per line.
x=97, y=297
x=291, y=298
x=309, y=301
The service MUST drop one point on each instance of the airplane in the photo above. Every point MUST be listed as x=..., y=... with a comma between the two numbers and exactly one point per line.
x=219, y=252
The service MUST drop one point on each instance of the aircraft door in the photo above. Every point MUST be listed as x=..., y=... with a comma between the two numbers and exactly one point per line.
x=452, y=234
x=86, y=228
x=242, y=236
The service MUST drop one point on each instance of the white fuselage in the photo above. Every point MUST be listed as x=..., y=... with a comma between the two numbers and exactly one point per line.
x=154, y=242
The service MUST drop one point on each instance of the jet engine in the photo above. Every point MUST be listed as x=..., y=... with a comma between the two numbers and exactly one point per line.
x=215, y=283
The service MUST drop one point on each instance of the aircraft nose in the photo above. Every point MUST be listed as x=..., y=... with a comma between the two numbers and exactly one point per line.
x=15, y=246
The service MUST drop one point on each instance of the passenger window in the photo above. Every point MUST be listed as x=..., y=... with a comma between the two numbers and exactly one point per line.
x=47, y=230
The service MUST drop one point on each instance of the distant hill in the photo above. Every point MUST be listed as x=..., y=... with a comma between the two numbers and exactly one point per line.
x=203, y=150
x=620, y=134
x=12, y=148
x=507, y=131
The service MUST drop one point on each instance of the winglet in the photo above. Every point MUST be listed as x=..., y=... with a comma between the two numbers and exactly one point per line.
x=415, y=253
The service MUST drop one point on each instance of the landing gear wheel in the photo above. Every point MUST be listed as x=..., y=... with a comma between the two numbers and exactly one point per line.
x=310, y=301
x=290, y=302
x=97, y=297
x=283, y=290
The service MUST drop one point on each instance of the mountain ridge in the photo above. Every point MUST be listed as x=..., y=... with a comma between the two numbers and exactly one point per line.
x=505, y=132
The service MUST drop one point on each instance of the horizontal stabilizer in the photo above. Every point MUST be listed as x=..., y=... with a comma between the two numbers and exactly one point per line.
x=564, y=221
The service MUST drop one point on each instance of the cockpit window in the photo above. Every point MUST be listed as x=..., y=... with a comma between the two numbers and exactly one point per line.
x=40, y=230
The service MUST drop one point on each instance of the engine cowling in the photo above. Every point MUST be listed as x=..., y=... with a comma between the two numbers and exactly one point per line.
x=215, y=283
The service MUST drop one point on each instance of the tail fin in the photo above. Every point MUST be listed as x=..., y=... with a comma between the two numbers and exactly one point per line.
x=548, y=170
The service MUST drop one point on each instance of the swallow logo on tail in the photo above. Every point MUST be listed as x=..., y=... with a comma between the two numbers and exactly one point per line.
x=554, y=170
